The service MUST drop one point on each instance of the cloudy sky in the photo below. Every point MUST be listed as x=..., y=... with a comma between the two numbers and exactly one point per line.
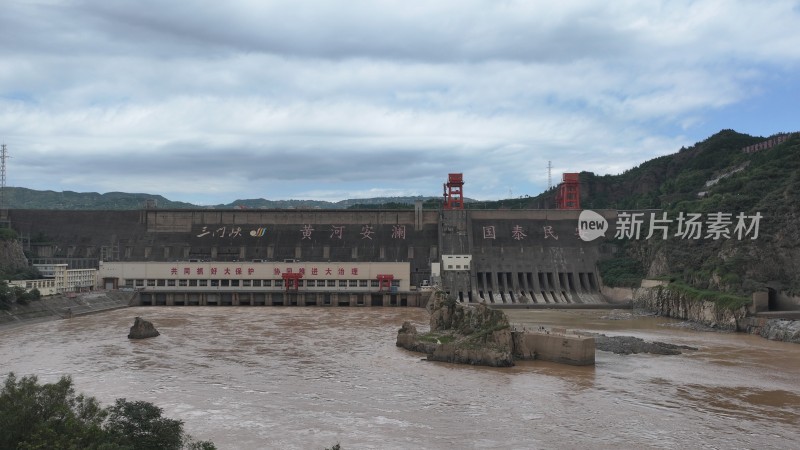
x=212, y=101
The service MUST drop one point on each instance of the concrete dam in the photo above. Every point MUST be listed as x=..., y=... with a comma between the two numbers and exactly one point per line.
x=324, y=257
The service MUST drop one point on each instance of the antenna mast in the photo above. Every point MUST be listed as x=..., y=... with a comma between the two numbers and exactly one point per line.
x=3, y=156
x=549, y=175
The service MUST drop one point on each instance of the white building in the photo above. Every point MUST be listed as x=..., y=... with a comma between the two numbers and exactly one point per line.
x=261, y=276
x=45, y=286
x=59, y=280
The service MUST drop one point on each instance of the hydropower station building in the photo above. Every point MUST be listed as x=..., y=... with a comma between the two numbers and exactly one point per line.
x=325, y=257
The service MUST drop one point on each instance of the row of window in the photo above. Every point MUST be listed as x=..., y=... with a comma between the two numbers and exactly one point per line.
x=251, y=283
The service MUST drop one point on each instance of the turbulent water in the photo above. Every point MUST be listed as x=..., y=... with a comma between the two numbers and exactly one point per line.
x=306, y=378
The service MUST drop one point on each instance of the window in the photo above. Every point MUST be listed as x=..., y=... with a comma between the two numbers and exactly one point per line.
x=310, y=283
x=234, y=282
x=140, y=283
x=225, y=283
x=278, y=283
x=170, y=282
x=331, y=283
x=267, y=283
x=129, y=283
x=151, y=283
x=183, y=283
x=342, y=283
x=353, y=283
x=161, y=282
x=256, y=283
x=193, y=283
x=374, y=283
x=362, y=283
x=246, y=283
x=203, y=283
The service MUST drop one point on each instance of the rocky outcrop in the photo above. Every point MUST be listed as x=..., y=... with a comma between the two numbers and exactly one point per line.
x=494, y=354
x=672, y=303
x=627, y=345
x=462, y=334
x=782, y=330
x=12, y=256
x=142, y=329
x=409, y=339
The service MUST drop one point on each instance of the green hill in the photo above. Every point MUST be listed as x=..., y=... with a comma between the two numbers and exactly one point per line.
x=23, y=198
x=714, y=176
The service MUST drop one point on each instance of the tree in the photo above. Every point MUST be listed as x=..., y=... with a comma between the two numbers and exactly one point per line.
x=53, y=416
x=7, y=234
x=140, y=425
x=36, y=416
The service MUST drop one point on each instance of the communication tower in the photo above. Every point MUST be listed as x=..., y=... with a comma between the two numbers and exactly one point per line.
x=549, y=175
x=3, y=157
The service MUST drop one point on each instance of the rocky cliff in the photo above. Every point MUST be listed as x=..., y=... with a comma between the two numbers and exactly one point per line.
x=12, y=258
x=781, y=330
x=680, y=305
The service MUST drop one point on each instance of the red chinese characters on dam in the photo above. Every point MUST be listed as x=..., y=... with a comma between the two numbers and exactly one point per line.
x=518, y=233
x=214, y=271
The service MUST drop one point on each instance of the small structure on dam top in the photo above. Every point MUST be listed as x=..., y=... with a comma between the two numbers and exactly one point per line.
x=568, y=193
x=479, y=335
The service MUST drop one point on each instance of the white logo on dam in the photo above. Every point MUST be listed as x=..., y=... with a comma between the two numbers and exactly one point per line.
x=591, y=225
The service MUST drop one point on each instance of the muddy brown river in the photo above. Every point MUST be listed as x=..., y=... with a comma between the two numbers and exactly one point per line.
x=307, y=378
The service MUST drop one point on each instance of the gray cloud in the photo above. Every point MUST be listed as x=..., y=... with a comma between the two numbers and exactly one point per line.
x=330, y=98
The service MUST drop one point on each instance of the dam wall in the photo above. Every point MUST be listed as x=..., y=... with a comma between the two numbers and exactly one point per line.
x=83, y=238
x=522, y=256
x=509, y=256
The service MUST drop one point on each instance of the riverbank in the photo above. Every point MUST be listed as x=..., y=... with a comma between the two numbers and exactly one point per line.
x=682, y=304
x=62, y=306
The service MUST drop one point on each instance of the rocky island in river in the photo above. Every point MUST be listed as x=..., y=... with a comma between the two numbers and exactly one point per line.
x=479, y=335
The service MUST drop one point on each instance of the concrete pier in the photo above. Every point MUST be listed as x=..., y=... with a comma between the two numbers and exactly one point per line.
x=554, y=345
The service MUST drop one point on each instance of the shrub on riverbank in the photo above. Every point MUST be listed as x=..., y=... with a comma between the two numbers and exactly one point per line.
x=11, y=294
x=723, y=300
x=52, y=415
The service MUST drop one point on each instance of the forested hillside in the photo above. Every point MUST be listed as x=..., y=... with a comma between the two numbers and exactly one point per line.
x=714, y=176
x=23, y=198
